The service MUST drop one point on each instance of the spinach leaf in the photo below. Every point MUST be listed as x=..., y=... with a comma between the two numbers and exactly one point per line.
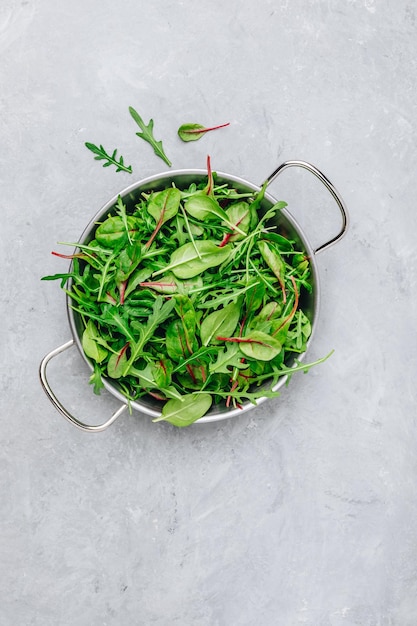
x=192, y=259
x=187, y=410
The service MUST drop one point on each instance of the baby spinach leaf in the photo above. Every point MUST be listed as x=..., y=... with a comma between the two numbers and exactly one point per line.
x=90, y=345
x=201, y=207
x=192, y=259
x=220, y=322
x=273, y=259
x=112, y=232
x=187, y=410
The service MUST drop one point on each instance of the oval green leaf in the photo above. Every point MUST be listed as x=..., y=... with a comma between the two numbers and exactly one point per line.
x=221, y=322
x=112, y=232
x=191, y=132
x=260, y=346
x=193, y=258
x=163, y=205
x=90, y=345
x=184, y=412
x=201, y=206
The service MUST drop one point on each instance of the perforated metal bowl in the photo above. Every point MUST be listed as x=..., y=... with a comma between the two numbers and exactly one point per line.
x=285, y=223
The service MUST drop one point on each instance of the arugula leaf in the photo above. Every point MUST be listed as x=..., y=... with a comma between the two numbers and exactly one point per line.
x=96, y=379
x=147, y=135
x=111, y=159
x=160, y=313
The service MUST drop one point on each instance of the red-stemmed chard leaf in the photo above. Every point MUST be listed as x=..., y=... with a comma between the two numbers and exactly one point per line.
x=193, y=132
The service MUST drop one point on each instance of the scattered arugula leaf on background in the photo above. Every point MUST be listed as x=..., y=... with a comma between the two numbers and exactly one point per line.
x=147, y=135
x=111, y=159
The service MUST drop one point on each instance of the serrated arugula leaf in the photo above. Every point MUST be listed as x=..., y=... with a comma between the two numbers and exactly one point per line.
x=111, y=159
x=147, y=135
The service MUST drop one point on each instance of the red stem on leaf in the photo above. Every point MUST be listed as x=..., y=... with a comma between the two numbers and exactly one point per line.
x=209, y=188
x=229, y=398
x=121, y=353
x=156, y=284
x=191, y=373
x=158, y=226
x=156, y=395
x=294, y=308
x=110, y=298
x=79, y=255
x=122, y=289
x=195, y=131
x=240, y=340
x=227, y=236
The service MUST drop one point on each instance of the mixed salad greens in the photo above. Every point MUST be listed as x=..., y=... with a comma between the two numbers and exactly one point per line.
x=191, y=297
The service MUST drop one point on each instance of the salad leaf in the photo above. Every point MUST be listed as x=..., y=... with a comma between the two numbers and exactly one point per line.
x=147, y=134
x=111, y=159
x=192, y=132
x=187, y=410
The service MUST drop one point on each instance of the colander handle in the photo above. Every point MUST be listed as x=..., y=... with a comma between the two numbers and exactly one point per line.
x=329, y=186
x=57, y=404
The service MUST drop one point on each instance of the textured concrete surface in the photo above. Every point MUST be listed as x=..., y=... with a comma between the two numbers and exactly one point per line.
x=302, y=512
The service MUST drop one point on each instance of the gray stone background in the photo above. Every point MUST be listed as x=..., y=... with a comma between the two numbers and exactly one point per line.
x=302, y=511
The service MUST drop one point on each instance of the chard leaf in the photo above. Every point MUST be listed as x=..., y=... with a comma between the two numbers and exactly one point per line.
x=239, y=215
x=192, y=132
x=187, y=410
x=254, y=296
x=163, y=205
x=117, y=363
x=260, y=346
x=179, y=343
